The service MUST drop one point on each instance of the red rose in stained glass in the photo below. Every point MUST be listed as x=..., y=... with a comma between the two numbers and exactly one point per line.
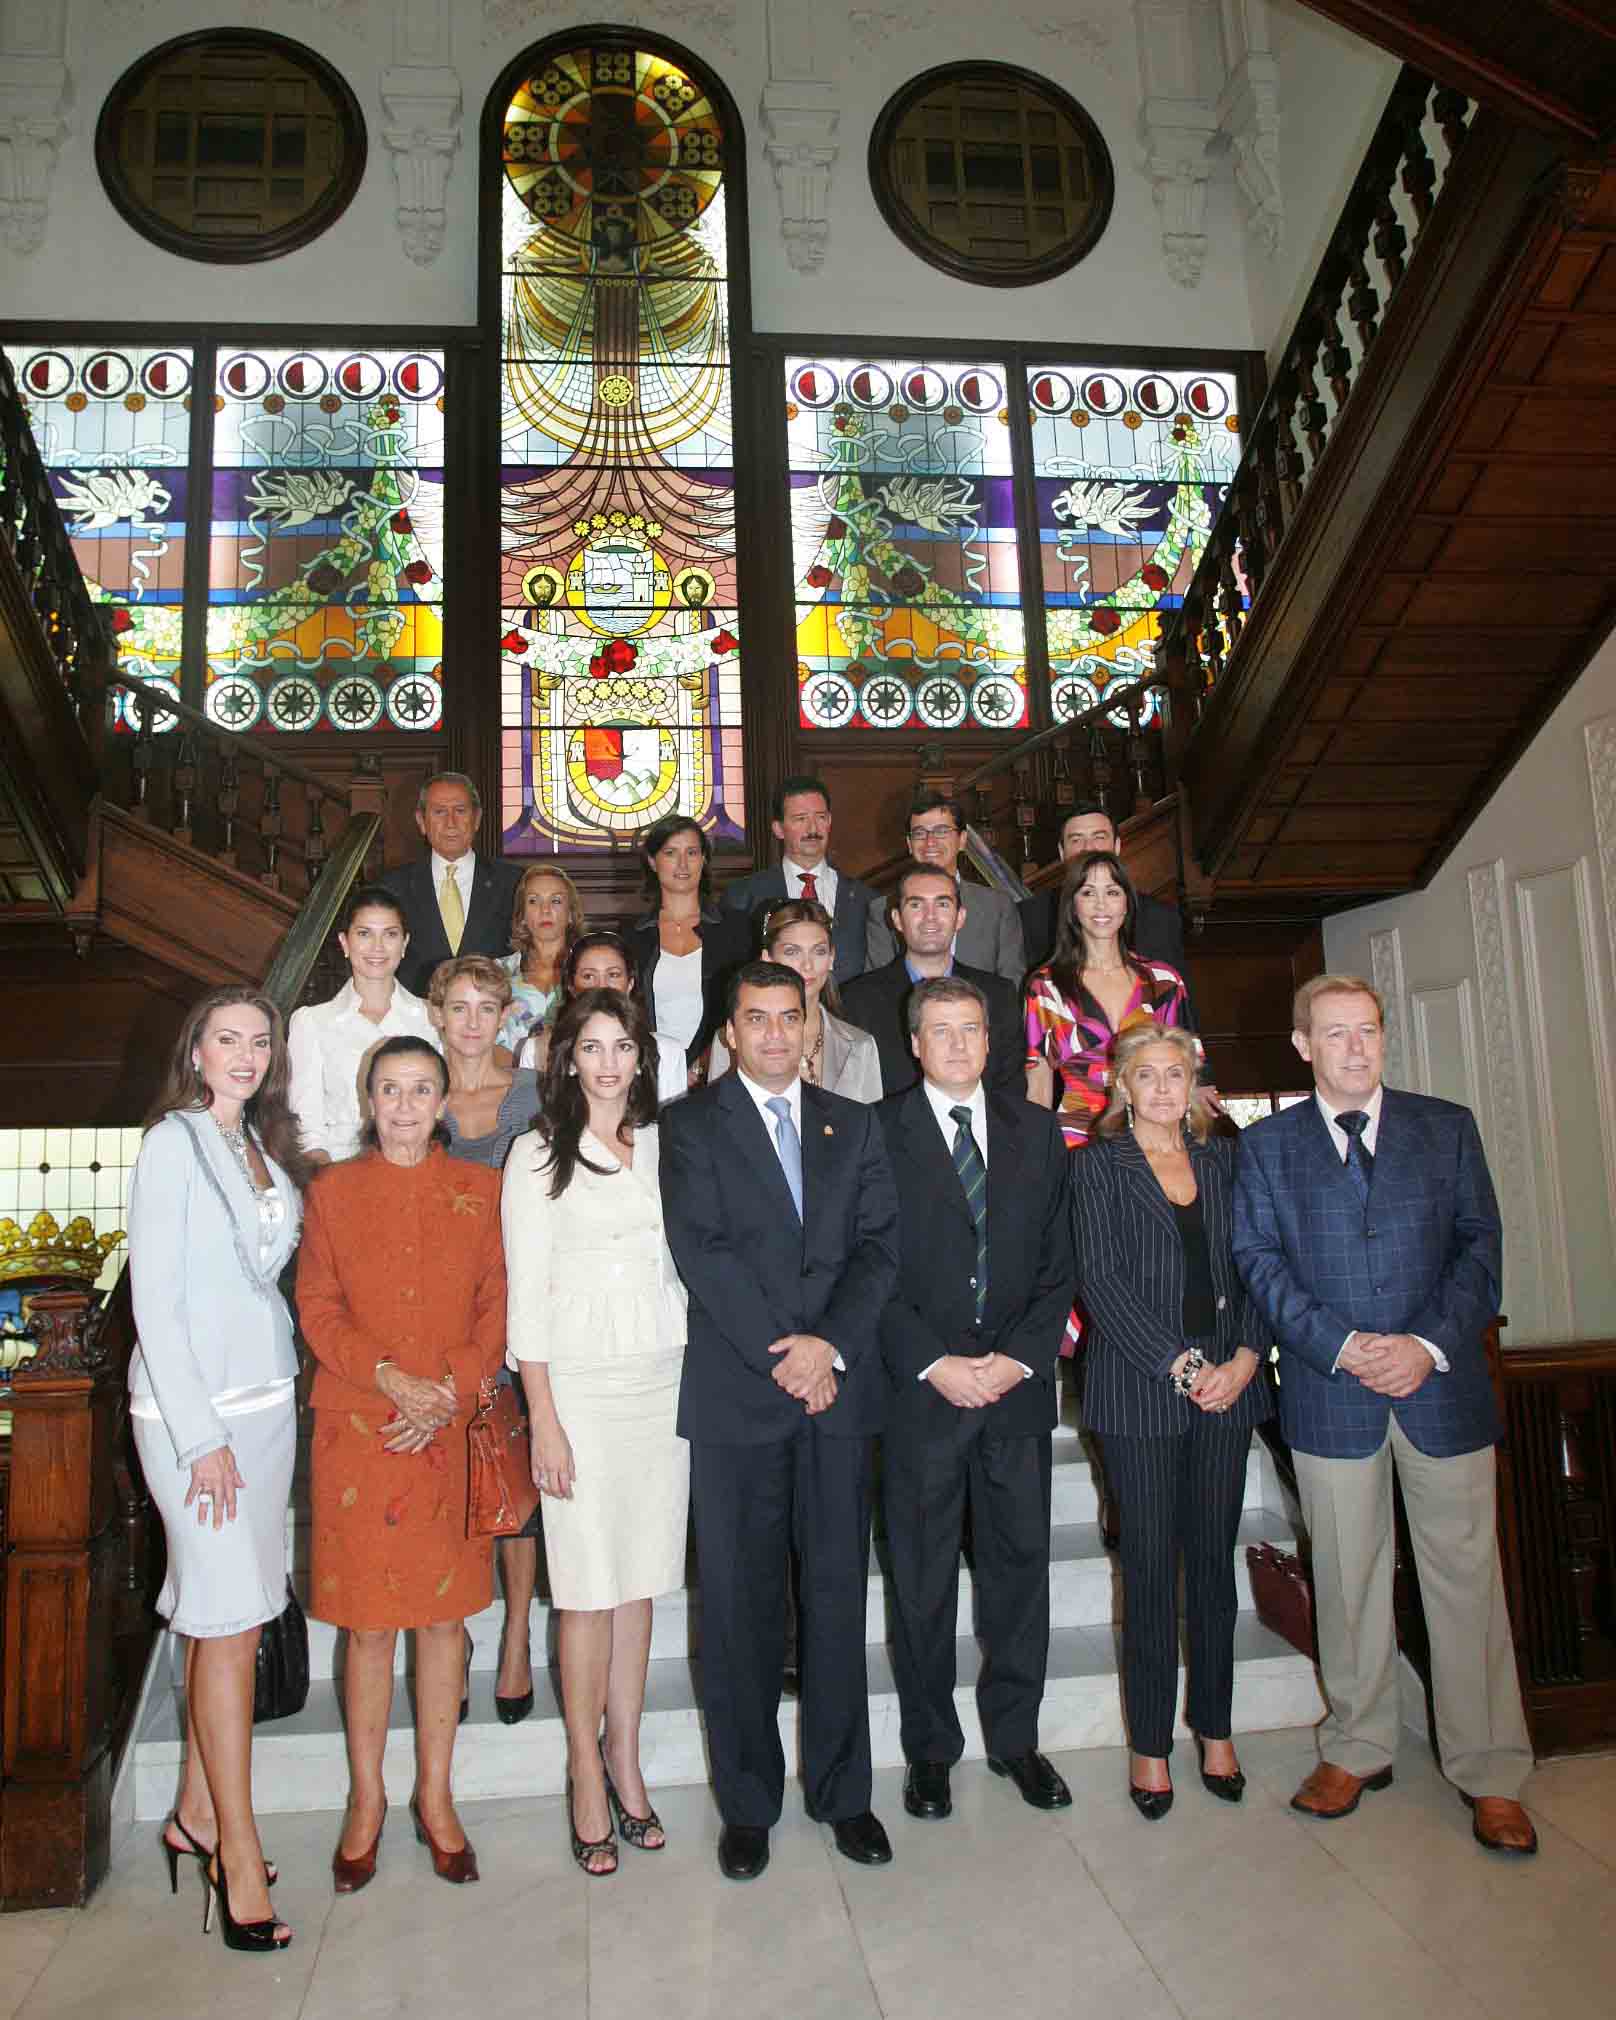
x=324, y=580
x=597, y=667
x=620, y=655
x=836, y=530
x=1155, y=576
x=401, y=523
x=818, y=576
x=908, y=582
x=1104, y=622
x=416, y=572
x=514, y=641
x=726, y=641
x=122, y=621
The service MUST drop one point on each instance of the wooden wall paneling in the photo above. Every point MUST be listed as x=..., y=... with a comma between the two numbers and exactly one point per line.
x=1386, y=972
x=1446, y=1051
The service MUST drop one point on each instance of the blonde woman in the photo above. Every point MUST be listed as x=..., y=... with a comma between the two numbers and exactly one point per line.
x=1173, y=1386
x=547, y=915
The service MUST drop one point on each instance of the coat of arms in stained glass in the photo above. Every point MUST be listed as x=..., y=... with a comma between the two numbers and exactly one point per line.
x=621, y=641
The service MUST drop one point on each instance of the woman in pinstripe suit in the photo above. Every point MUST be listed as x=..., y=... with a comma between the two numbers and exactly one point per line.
x=1173, y=1388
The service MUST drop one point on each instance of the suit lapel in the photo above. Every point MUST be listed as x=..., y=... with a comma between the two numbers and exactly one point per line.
x=929, y=1151
x=1146, y=1188
x=750, y=1134
x=480, y=912
x=1323, y=1153
x=1397, y=1145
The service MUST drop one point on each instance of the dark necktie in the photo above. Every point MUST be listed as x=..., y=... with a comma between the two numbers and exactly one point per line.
x=973, y=1177
x=810, y=889
x=1360, y=1158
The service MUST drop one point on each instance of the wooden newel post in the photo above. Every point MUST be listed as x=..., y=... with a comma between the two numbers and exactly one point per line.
x=61, y=1561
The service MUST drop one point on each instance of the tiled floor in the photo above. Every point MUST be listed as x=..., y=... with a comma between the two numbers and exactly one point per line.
x=1215, y=1912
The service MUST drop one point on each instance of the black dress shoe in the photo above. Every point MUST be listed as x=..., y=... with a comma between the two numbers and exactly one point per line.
x=1039, y=1782
x=512, y=1710
x=863, y=1840
x=925, y=1789
x=1227, y=1788
x=743, y=1851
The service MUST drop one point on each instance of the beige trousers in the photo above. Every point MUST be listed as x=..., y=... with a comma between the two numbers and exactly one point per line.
x=1347, y=1505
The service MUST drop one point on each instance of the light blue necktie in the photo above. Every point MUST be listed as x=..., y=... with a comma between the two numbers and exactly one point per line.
x=789, y=1145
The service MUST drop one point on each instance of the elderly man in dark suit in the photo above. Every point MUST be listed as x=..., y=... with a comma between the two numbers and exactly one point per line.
x=1158, y=933
x=455, y=901
x=1368, y=1234
x=971, y=1339
x=927, y=906
x=801, y=826
x=780, y=1210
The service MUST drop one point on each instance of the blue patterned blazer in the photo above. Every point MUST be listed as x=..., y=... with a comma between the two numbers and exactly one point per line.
x=1423, y=1256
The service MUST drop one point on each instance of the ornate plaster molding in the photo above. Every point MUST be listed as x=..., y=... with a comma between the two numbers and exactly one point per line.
x=1386, y=972
x=33, y=102
x=800, y=118
x=1600, y=738
x=423, y=137
x=714, y=21
x=870, y=27
x=1508, y=1146
x=1248, y=114
x=1092, y=36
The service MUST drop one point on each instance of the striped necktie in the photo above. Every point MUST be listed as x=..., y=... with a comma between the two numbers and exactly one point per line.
x=1360, y=1158
x=973, y=1177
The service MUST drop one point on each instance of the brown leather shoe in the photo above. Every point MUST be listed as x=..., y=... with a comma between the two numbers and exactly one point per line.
x=1330, y=1792
x=1501, y=1825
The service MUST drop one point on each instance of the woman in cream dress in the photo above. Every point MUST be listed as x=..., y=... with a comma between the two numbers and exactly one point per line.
x=596, y=1328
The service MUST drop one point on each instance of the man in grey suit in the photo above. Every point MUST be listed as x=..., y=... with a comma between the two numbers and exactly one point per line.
x=1367, y=1233
x=990, y=930
x=801, y=826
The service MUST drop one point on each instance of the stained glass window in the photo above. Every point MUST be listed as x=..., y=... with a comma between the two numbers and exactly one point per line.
x=620, y=641
x=1130, y=469
x=325, y=599
x=113, y=427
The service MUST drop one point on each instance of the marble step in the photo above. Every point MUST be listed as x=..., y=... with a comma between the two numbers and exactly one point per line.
x=1084, y=1591
x=300, y=1763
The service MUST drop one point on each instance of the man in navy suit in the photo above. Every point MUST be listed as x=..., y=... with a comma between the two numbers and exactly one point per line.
x=802, y=828
x=972, y=1340
x=455, y=902
x=1367, y=1232
x=780, y=1210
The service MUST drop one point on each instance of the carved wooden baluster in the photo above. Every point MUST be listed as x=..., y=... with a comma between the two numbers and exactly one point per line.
x=229, y=803
x=1189, y=642
x=1212, y=638
x=1334, y=356
x=1391, y=243
x=140, y=758
x=314, y=842
x=184, y=785
x=1230, y=601
x=1419, y=170
x=269, y=829
x=1310, y=410
x=1026, y=805
x=1137, y=749
x=1245, y=499
x=1452, y=111
x=1100, y=765
x=1363, y=303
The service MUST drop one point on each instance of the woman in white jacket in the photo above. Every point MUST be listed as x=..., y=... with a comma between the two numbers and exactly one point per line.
x=213, y=1216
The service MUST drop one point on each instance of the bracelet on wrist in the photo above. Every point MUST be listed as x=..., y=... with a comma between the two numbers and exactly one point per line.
x=1183, y=1379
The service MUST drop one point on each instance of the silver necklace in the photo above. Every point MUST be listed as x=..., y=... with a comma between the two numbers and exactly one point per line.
x=237, y=1140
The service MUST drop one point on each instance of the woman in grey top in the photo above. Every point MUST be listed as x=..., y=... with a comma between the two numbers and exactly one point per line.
x=836, y=1055
x=213, y=1216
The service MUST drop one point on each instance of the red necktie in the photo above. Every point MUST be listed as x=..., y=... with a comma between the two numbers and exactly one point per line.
x=808, y=890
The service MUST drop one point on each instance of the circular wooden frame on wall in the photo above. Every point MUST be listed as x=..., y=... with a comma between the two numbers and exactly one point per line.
x=991, y=173
x=231, y=145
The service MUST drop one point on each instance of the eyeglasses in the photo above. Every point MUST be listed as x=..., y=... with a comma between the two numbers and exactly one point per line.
x=933, y=834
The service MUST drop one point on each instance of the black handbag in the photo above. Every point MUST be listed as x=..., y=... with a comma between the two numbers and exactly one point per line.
x=281, y=1683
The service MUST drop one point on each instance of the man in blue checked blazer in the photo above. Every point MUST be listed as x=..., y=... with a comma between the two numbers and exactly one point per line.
x=1367, y=1232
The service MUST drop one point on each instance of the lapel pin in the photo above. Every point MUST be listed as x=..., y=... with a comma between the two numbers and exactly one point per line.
x=828, y=1130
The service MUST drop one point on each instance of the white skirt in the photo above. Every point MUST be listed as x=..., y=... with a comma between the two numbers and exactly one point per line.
x=622, y=1535
x=225, y=1580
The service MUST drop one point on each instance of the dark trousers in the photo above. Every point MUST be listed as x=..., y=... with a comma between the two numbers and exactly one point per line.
x=926, y=1483
x=1178, y=1494
x=755, y=1506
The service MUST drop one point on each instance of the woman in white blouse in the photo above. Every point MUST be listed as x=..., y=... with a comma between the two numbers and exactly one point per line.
x=596, y=1327
x=213, y=1215
x=685, y=948
x=329, y=1042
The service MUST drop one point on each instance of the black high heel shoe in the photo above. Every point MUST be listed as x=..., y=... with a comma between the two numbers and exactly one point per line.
x=192, y=1849
x=630, y=1828
x=253, y=1936
x=1152, y=1804
x=583, y=1848
x=512, y=1710
x=1227, y=1788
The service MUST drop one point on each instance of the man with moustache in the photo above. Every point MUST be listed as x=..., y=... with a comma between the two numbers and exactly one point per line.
x=801, y=826
x=780, y=1211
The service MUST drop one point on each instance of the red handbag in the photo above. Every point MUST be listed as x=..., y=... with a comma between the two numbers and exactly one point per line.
x=500, y=1494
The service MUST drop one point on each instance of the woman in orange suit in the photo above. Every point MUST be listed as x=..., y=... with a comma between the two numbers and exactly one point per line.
x=401, y=1294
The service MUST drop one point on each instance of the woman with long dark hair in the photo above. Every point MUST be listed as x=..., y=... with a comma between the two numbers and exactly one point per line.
x=213, y=1217
x=605, y=960
x=684, y=948
x=597, y=1333
x=401, y=1293
x=1092, y=988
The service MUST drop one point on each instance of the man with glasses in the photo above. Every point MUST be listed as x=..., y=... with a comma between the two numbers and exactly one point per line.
x=989, y=929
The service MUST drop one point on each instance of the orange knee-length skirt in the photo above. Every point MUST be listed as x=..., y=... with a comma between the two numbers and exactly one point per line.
x=388, y=1544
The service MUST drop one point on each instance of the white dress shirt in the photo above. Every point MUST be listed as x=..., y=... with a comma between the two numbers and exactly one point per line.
x=1343, y=1146
x=326, y=1044
x=824, y=883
